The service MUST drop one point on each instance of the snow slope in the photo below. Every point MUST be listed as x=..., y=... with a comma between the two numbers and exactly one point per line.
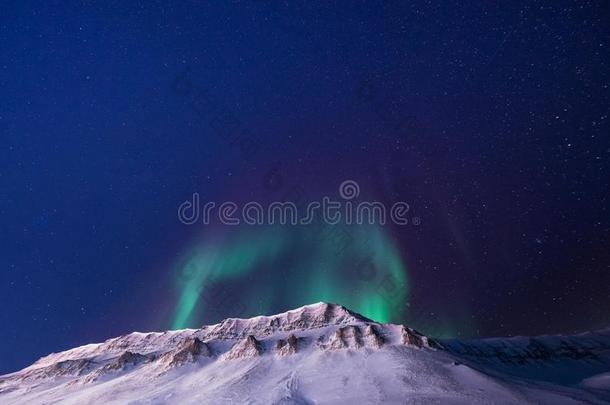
x=317, y=354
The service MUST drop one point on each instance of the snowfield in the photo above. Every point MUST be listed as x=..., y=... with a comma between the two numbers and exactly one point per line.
x=317, y=354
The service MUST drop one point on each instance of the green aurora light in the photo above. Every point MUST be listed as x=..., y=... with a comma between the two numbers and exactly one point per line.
x=285, y=267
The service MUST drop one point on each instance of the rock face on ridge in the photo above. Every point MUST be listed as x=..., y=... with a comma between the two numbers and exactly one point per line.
x=188, y=351
x=288, y=346
x=304, y=318
x=246, y=348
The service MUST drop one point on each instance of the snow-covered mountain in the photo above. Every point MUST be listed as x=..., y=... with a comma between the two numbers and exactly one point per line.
x=317, y=354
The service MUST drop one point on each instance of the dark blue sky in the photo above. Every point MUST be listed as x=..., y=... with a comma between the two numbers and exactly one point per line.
x=491, y=121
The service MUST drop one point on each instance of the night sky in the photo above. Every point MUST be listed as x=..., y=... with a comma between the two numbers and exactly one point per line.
x=490, y=121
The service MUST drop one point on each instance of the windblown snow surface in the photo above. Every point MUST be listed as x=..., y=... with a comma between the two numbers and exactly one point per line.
x=317, y=354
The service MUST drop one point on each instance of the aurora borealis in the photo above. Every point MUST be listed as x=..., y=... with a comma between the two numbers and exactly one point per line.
x=289, y=267
x=489, y=120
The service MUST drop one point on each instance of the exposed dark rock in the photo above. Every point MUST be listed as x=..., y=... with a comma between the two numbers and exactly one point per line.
x=248, y=347
x=411, y=337
x=372, y=338
x=125, y=360
x=346, y=337
x=187, y=352
x=288, y=346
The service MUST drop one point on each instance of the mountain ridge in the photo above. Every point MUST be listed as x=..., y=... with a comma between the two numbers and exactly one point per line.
x=322, y=342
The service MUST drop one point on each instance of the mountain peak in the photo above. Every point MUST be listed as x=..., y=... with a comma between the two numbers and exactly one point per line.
x=318, y=315
x=313, y=350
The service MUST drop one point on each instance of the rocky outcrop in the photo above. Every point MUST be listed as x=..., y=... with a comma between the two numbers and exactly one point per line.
x=287, y=347
x=125, y=360
x=411, y=337
x=186, y=352
x=372, y=337
x=304, y=318
x=347, y=337
x=246, y=348
x=353, y=337
x=74, y=368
